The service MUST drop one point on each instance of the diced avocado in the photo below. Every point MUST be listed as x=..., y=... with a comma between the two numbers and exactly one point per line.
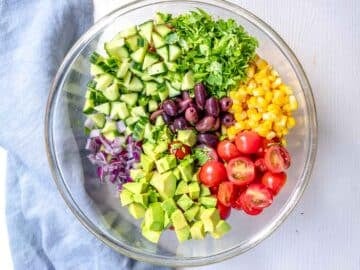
x=201, y=211
x=195, y=177
x=158, y=40
x=162, y=29
x=161, y=18
x=119, y=110
x=160, y=148
x=164, y=183
x=165, y=135
x=138, y=55
x=110, y=135
x=221, y=228
x=146, y=163
x=148, y=148
x=103, y=81
x=136, y=174
x=210, y=217
x=204, y=191
x=129, y=99
x=165, y=163
x=143, y=199
x=191, y=213
x=174, y=52
x=186, y=170
x=163, y=52
x=103, y=108
x=177, y=174
x=187, y=136
x=178, y=220
x=109, y=126
x=182, y=188
x=194, y=190
x=126, y=197
x=208, y=201
x=153, y=196
x=197, y=230
x=149, y=60
x=171, y=66
x=151, y=88
x=167, y=221
x=145, y=30
x=148, y=133
x=98, y=119
x=184, y=202
x=138, y=111
x=88, y=106
x=135, y=84
x=183, y=234
x=188, y=81
x=95, y=70
x=112, y=92
x=152, y=105
x=154, y=217
x=137, y=210
x=152, y=236
x=156, y=69
x=169, y=205
x=135, y=187
x=128, y=32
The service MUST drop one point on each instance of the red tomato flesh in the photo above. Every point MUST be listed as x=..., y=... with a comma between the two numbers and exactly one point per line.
x=241, y=171
x=212, y=173
x=226, y=193
x=277, y=159
x=179, y=150
x=245, y=206
x=248, y=142
x=257, y=196
x=227, y=150
x=224, y=211
x=274, y=181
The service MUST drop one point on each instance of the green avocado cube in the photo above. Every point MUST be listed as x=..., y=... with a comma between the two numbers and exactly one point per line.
x=191, y=213
x=221, y=228
x=204, y=191
x=143, y=199
x=201, y=211
x=194, y=190
x=167, y=221
x=164, y=183
x=166, y=163
x=195, y=177
x=160, y=148
x=137, y=210
x=136, y=174
x=169, y=205
x=181, y=188
x=153, y=196
x=183, y=234
x=154, y=217
x=197, y=230
x=148, y=148
x=208, y=201
x=184, y=202
x=152, y=236
x=126, y=197
x=147, y=163
x=187, y=136
x=210, y=217
x=177, y=174
x=135, y=187
x=186, y=170
x=178, y=220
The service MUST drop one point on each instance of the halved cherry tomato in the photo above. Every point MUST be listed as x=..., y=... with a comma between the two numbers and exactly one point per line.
x=260, y=165
x=274, y=181
x=179, y=150
x=277, y=159
x=227, y=150
x=244, y=205
x=257, y=196
x=265, y=145
x=214, y=190
x=224, y=211
x=209, y=152
x=226, y=193
x=212, y=173
x=241, y=171
x=248, y=142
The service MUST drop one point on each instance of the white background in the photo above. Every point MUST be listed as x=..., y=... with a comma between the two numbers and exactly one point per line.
x=323, y=232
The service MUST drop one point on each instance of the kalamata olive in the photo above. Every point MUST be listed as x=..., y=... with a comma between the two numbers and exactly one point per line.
x=212, y=106
x=217, y=124
x=227, y=119
x=225, y=104
x=185, y=95
x=200, y=96
x=191, y=115
x=184, y=104
x=172, y=128
x=205, y=124
x=167, y=118
x=170, y=107
x=208, y=139
x=180, y=123
x=155, y=114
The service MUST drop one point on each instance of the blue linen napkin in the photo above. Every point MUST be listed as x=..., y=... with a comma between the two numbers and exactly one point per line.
x=34, y=38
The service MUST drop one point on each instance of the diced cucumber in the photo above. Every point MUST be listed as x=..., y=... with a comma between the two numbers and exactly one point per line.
x=143, y=101
x=136, y=72
x=152, y=105
x=119, y=110
x=103, y=108
x=131, y=120
x=103, y=81
x=123, y=52
x=158, y=40
x=162, y=29
x=176, y=84
x=110, y=135
x=98, y=119
x=145, y=30
x=164, y=53
x=148, y=131
x=159, y=122
x=156, y=69
x=139, y=54
x=112, y=48
x=135, y=85
x=138, y=111
x=132, y=42
x=129, y=99
x=88, y=106
x=188, y=81
x=174, y=52
x=161, y=18
x=95, y=70
x=164, y=94
x=124, y=67
x=110, y=126
x=146, y=77
x=89, y=94
x=172, y=91
x=128, y=32
x=171, y=66
x=159, y=79
x=127, y=79
x=150, y=59
x=151, y=88
x=112, y=92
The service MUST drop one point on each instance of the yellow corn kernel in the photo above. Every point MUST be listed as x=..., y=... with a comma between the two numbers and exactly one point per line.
x=268, y=96
x=261, y=102
x=252, y=123
x=255, y=116
x=232, y=94
x=236, y=107
x=286, y=107
x=251, y=71
x=251, y=103
x=279, y=98
x=252, y=85
x=240, y=125
x=267, y=125
x=286, y=89
x=271, y=78
x=261, y=63
x=276, y=83
x=290, y=123
x=268, y=116
x=271, y=135
x=274, y=108
x=282, y=121
x=258, y=92
x=274, y=73
x=293, y=103
x=284, y=132
x=240, y=116
x=231, y=132
x=283, y=142
x=223, y=130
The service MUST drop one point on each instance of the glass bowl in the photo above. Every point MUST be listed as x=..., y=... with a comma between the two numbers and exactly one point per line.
x=96, y=205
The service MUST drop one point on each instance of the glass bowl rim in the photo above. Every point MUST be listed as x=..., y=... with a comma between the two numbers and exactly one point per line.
x=57, y=86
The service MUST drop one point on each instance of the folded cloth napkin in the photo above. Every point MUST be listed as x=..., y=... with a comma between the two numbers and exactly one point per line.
x=34, y=38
